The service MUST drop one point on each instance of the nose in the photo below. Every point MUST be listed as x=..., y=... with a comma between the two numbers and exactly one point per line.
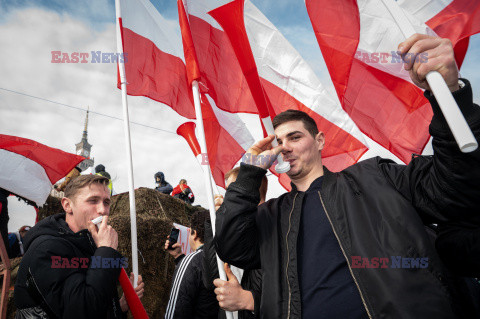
x=286, y=147
x=102, y=209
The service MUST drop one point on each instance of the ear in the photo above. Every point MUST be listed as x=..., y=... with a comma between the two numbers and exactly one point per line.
x=67, y=205
x=320, y=138
x=194, y=234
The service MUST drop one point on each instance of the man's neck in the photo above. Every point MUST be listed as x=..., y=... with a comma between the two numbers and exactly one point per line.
x=71, y=224
x=196, y=244
x=304, y=183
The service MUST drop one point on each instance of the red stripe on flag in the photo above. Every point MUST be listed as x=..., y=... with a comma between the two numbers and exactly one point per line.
x=230, y=17
x=389, y=110
x=337, y=29
x=193, y=73
x=457, y=21
x=223, y=150
x=221, y=74
x=55, y=162
x=155, y=74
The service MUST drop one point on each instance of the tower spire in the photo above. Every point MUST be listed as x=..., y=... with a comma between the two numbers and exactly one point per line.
x=83, y=148
x=85, y=130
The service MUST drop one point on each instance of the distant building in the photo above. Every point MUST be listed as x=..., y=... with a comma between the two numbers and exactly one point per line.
x=83, y=149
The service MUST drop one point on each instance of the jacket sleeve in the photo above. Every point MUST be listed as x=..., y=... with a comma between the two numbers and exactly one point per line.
x=252, y=281
x=167, y=189
x=444, y=186
x=459, y=248
x=176, y=190
x=71, y=292
x=236, y=239
x=188, y=192
x=188, y=289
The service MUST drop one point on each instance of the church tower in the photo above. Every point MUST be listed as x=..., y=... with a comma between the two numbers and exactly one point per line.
x=83, y=148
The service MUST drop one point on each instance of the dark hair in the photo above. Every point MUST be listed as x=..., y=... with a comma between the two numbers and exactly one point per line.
x=197, y=223
x=99, y=168
x=82, y=181
x=263, y=187
x=295, y=115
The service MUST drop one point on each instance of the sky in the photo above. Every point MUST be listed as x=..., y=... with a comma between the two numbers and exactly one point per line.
x=46, y=101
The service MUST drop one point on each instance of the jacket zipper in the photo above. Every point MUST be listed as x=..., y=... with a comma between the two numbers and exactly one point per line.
x=344, y=255
x=288, y=256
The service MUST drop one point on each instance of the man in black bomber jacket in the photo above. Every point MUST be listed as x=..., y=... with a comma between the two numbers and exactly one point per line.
x=58, y=277
x=321, y=245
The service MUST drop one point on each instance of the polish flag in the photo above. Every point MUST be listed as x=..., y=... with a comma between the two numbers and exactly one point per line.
x=29, y=169
x=155, y=68
x=284, y=77
x=359, y=39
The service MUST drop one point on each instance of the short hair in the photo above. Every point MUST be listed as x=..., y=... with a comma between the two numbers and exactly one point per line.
x=183, y=181
x=197, y=223
x=263, y=187
x=82, y=181
x=24, y=229
x=296, y=115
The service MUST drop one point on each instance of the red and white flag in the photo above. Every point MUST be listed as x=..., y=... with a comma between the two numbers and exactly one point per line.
x=155, y=68
x=29, y=169
x=359, y=39
x=286, y=79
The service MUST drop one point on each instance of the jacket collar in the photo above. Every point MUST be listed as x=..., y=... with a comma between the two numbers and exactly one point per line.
x=327, y=177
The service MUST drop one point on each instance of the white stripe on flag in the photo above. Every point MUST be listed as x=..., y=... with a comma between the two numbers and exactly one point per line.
x=141, y=17
x=35, y=184
x=424, y=10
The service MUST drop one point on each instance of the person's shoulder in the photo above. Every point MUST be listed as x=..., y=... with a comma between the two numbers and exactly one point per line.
x=43, y=248
x=195, y=258
x=49, y=244
x=367, y=165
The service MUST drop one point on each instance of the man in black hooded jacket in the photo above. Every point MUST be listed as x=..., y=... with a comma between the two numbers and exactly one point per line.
x=71, y=268
x=352, y=244
x=161, y=184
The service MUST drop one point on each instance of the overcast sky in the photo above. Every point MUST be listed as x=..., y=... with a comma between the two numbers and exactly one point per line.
x=50, y=108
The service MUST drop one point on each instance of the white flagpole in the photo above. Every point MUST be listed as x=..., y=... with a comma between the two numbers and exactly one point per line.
x=456, y=121
x=207, y=175
x=200, y=161
x=126, y=128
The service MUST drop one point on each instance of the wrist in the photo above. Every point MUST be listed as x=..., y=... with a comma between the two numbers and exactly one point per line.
x=247, y=300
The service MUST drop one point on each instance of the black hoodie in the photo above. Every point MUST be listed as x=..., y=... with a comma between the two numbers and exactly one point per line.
x=81, y=291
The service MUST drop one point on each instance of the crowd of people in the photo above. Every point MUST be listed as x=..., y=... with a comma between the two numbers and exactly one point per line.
x=351, y=244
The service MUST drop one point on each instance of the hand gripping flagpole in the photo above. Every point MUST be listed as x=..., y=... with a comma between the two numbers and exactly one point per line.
x=126, y=128
x=454, y=117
